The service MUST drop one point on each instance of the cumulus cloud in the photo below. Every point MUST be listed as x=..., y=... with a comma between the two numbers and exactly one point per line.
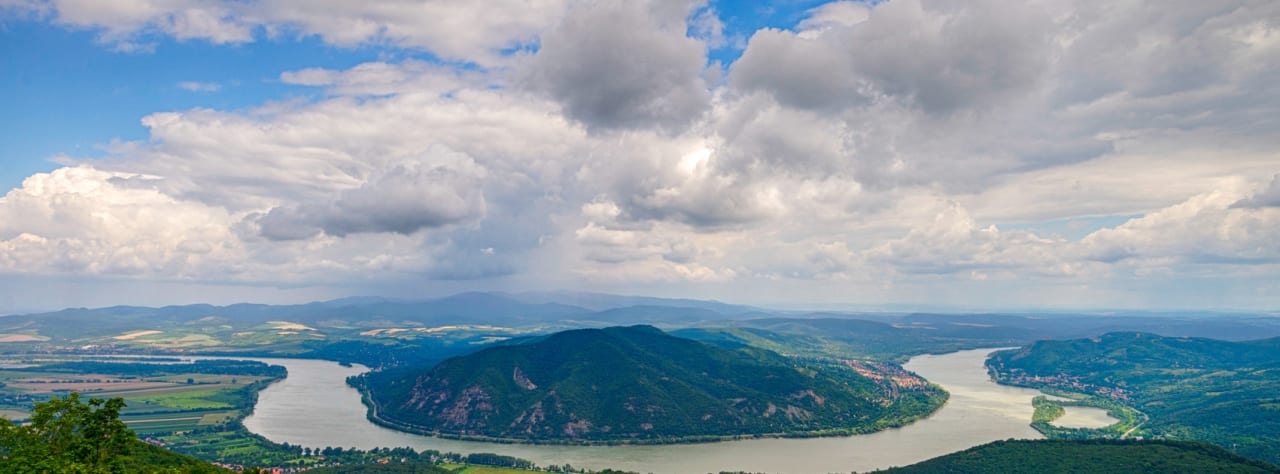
x=963, y=95
x=903, y=95
x=939, y=56
x=1265, y=197
x=1204, y=229
x=953, y=242
x=619, y=65
x=453, y=29
x=902, y=144
x=438, y=189
x=657, y=252
x=412, y=184
x=79, y=220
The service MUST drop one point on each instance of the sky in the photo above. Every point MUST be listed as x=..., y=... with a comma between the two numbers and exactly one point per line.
x=976, y=155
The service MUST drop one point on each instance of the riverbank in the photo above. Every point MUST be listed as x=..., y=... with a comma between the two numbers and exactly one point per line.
x=373, y=415
x=978, y=411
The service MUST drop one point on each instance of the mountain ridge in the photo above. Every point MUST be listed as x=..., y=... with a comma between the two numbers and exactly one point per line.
x=637, y=383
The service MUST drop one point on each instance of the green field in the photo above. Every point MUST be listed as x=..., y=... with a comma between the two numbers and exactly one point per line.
x=159, y=399
x=469, y=469
x=146, y=424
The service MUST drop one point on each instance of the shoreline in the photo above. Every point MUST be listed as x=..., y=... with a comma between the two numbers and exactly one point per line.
x=371, y=413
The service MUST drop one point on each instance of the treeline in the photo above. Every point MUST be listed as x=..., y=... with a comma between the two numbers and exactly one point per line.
x=1047, y=410
x=250, y=449
x=144, y=369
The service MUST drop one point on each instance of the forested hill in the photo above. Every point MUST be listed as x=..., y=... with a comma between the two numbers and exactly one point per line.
x=1091, y=456
x=1124, y=351
x=637, y=383
x=1227, y=393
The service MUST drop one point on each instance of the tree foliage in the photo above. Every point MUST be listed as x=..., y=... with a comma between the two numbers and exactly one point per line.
x=1221, y=392
x=71, y=435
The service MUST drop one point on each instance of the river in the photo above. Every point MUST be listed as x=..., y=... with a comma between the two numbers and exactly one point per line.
x=314, y=407
x=1084, y=417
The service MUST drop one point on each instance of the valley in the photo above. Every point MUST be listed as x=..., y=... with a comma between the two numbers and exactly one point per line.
x=477, y=368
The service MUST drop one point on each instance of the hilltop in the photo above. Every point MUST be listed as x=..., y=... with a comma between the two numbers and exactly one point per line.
x=1093, y=456
x=637, y=383
x=1190, y=388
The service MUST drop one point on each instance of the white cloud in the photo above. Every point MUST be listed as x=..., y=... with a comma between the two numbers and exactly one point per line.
x=82, y=221
x=1204, y=229
x=953, y=242
x=938, y=56
x=437, y=189
x=453, y=29
x=623, y=65
x=877, y=151
x=194, y=86
x=1266, y=197
x=838, y=13
x=379, y=78
x=122, y=22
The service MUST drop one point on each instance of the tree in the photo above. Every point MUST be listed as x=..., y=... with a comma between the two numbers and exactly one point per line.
x=68, y=435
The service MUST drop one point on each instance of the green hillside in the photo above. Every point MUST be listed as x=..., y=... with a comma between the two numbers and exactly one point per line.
x=1227, y=393
x=640, y=384
x=1088, y=456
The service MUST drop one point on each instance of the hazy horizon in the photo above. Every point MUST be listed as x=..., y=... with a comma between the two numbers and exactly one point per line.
x=773, y=306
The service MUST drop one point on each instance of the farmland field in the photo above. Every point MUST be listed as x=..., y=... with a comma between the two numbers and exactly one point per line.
x=159, y=398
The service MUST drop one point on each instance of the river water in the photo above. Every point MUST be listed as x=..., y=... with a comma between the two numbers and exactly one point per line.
x=1084, y=417
x=314, y=407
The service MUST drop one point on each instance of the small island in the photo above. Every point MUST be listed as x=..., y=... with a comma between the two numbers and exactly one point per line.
x=638, y=384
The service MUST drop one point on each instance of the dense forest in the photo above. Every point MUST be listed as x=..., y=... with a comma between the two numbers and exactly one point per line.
x=1227, y=393
x=1088, y=456
x=640, y=384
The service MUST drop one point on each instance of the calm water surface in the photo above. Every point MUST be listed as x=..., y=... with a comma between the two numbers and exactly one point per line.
x=314, y=407
x=1085, y=417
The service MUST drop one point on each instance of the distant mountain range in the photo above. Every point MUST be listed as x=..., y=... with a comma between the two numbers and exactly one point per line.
x=462, y=308
x=637, y=383
x=381, y=331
